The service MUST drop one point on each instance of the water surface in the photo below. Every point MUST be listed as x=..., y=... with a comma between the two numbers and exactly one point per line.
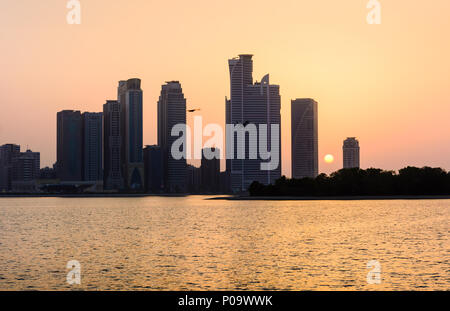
x=191, y=243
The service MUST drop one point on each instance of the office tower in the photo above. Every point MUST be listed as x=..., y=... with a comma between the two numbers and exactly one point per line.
x=69, y=146
x=130, y=98
x=171, y=111
x=7, y=154
x=304, y=138
x=26, y=171
x=153, y=164
x=193, y=179
x=210, y=172
x=251, y=103
x=351, y=153
x=92, y=147
x=112, y=141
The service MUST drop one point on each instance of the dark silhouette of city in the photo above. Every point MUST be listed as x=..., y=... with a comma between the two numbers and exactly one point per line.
x=103, y=152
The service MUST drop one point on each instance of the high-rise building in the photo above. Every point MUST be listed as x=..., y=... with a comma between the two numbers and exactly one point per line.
x=171, y=112
x=251, y=103
x=210, y=172
x=130, y=97
x=92, y=147
x=351, y=153
x=153, y=164
x=69, y=146
x=304, y=138
x=8, y=153
x=26, y=171
x=112, y=164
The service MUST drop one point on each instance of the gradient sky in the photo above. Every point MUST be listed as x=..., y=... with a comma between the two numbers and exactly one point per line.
x=388, y=84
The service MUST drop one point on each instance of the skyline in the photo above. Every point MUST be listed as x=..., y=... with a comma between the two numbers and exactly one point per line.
x=379, y=83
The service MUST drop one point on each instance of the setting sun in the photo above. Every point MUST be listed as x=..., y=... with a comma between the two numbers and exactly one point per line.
x=329, y=158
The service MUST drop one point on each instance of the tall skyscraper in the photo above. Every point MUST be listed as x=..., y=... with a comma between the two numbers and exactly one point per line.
x=153, y=163
x=92, y=146
x=210, y=172
x=251, y=103
x=130, y=98
x=69, y=146
x=304, y=138
x=8, y=153
x=171, y=111
x=351, y=153
x=112, y=176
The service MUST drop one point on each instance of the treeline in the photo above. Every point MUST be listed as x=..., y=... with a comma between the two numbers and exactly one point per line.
x=358, y=182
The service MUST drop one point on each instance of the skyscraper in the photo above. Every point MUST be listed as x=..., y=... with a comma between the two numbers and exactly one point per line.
x=69, y=146
x=92, y=146
x=7, y=154
x=130, y=97
x=304, y=138
x=112, y=171
x=210, y=172
x=171, y=111
x=251, y=103
x=351, y=153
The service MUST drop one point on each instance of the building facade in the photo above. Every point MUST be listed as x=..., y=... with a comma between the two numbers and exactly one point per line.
x=171, y=112
x=112, y=142
x=153, y=164
x=256, y=104
x=351, y=153
x=92, y=147
x=69, y=146
x=210, y=172
x=130, y=97
x=304, y=138
x=8, y=153
x=26, y=171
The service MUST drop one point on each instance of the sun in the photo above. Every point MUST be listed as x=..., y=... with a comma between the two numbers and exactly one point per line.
x=329, y=158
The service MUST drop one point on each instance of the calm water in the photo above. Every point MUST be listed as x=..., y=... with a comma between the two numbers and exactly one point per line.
x=197, y=244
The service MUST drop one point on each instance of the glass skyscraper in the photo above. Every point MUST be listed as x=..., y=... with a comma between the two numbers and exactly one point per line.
x=304, y=138
x=130, y=97
x=251, y=103
x=171, y=111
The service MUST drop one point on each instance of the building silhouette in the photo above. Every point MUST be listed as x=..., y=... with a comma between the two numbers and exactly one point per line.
x=171, y=111
x=210, y=171
x=153, y=164
x=193, y=179
x=8, y=153
x=130, y=98
x=112, y=141
x=251, y=103
x=26, y=171
x=92, y=147
x=351, y=153
x=69, y=146
x=304, y=138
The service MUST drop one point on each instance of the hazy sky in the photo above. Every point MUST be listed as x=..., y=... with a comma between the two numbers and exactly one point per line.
x=388, y=84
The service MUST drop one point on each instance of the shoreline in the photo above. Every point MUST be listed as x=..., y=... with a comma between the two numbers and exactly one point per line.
x=233, y=198
x=335, y=198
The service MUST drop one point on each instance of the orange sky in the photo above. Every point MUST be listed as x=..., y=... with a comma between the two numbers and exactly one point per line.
x=386, y=84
